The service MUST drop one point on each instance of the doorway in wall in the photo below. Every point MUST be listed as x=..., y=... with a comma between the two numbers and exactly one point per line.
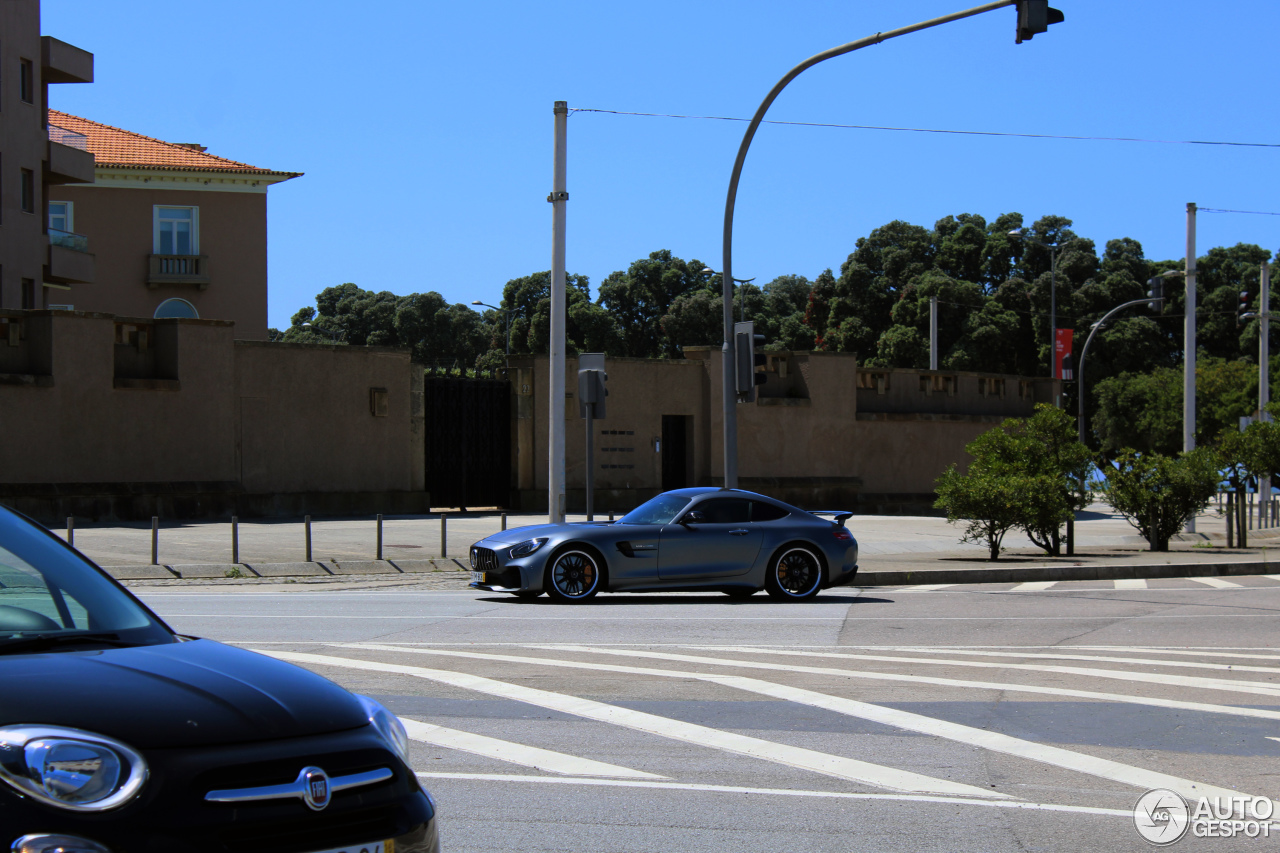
x=675, y=451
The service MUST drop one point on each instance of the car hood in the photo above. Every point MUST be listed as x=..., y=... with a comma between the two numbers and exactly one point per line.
x=197, y=693
x=536, y=531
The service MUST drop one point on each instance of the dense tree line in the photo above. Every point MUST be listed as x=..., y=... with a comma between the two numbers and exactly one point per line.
x=994, y=301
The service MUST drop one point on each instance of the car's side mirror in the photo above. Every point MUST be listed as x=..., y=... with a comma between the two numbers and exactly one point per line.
x=693, y=517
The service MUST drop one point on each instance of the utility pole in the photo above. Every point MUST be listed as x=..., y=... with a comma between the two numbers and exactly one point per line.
x=1264, y=373
x=1189, y=348
x=559, y=199
x=933, y=333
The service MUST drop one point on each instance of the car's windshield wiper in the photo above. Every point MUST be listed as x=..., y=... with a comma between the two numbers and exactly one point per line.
x=35, y=642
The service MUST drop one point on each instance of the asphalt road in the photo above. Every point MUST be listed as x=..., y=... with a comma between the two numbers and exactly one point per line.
x=966, y=718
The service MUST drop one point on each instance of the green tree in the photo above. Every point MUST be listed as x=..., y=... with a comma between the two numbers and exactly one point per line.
x=1043, y=468
x=1157, y=493
x=640, y=297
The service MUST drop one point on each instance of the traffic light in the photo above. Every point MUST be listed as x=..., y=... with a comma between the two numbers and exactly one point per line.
x=592, y=389
x=1243, y=313
x=746, y=360
x=1155, y=291
x=1035, y=16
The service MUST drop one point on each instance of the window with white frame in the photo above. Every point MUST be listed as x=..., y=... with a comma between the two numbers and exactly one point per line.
x=176, y=230
x=60, y=216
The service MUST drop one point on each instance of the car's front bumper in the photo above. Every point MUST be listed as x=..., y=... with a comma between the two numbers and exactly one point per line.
x=500, y=573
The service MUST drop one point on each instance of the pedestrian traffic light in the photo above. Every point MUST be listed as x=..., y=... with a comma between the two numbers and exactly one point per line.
x=1035, y=16
x=1155, y=291
x=746, y=360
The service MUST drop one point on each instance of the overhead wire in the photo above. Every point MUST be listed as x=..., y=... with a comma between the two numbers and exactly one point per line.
x=949, y=131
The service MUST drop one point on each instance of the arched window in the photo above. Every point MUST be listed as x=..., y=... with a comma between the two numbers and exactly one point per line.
x=177, y=308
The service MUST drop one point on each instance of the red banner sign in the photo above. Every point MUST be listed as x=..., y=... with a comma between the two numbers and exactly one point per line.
x=1063, y=361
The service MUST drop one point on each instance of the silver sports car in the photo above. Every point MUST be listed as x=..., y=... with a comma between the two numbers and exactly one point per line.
x=728, y=540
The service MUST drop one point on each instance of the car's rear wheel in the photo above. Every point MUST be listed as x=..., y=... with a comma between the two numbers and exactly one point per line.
x=574, y=575
x=795, y=574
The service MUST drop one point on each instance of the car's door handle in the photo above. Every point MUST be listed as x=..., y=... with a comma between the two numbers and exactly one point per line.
x=738, y=532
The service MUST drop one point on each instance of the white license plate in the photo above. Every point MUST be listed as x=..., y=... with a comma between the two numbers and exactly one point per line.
x=477, y=577
x=371, y=847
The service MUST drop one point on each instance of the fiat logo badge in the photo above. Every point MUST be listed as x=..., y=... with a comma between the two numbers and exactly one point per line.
x=315, y=788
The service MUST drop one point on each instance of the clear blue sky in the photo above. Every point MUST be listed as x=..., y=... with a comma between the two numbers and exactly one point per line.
x=425, y=129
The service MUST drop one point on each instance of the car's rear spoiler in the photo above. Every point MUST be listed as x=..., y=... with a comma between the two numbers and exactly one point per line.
x=841, y=515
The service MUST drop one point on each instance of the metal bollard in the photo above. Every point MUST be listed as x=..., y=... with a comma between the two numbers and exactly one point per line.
x=306, y=520
x=444, y=552
x=71, y=530
x=504, y=521
x=379, y=536
x=235, y=540
x=155, y=540
x=1231, y=527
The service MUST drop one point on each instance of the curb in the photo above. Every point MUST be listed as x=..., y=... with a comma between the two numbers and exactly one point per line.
x=1063, y=573
x=206, y=571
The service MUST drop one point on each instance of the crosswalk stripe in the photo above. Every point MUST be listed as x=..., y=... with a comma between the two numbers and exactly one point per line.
x=805, y=759
x=777, y=792
x=1189, y=652
x=1032, y=586
x=1223, y=684
x=516, y=753
x=1131, y=583
x=1215, y=582
x=1055, y=756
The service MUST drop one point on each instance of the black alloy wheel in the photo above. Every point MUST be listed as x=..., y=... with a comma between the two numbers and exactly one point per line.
x=573, y=576
x=794, y=575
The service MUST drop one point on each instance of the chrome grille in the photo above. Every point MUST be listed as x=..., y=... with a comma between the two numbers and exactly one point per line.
x=483, y=560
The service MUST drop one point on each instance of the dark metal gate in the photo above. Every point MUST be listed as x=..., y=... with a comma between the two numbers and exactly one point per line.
x=468, y=441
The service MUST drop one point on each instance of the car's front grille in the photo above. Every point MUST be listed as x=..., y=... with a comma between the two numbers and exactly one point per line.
x=483, y=560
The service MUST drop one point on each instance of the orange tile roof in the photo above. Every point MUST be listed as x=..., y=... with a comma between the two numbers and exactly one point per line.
x=125, y=149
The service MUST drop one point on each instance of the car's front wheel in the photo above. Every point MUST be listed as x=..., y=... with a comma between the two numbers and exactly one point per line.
x=795, y=574
x=574, y=575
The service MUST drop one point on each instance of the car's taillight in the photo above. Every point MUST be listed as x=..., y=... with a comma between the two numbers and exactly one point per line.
x=842, y=534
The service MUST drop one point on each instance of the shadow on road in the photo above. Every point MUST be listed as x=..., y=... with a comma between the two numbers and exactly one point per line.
x=625, y=599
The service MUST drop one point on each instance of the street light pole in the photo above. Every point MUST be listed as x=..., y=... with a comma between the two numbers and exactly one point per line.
x=508, y=312
x=728, y=390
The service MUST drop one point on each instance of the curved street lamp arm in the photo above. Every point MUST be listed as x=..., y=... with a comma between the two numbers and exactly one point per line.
x=727, y=374
x=1084, y=351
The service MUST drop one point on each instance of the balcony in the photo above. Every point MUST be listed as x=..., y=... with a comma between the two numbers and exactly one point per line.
x=64, y=63
x=69, y=261
x=179, y=269
x=67, y=158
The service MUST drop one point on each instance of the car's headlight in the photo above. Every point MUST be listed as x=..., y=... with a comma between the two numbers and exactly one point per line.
x=388, y=725
x=69, y=768
x=526, y=547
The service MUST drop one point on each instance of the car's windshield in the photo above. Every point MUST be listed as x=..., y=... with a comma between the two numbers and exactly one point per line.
x=659, y=510
x=48, y=591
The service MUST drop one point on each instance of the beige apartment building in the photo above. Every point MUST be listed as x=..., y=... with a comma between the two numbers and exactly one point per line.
x=36, y=267
x=176, y=232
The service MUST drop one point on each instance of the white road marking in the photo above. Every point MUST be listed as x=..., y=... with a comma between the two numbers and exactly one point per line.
x=1032, y=586
x=805, y=759
x=924, y=587
x=779, y=792
x=1186, y=652
x=1269, y=737
x=1055, y=756
x=613, y=618
x=1130, y=583
x=515, y=753
x=1219, y=583
x=1222, y=684
x=1218, y=667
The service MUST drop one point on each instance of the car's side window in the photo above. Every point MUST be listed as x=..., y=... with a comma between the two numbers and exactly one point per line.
x=725, y=511
x=761, y=511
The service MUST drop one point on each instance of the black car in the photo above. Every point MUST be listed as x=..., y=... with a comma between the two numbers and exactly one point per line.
x=119, y=736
